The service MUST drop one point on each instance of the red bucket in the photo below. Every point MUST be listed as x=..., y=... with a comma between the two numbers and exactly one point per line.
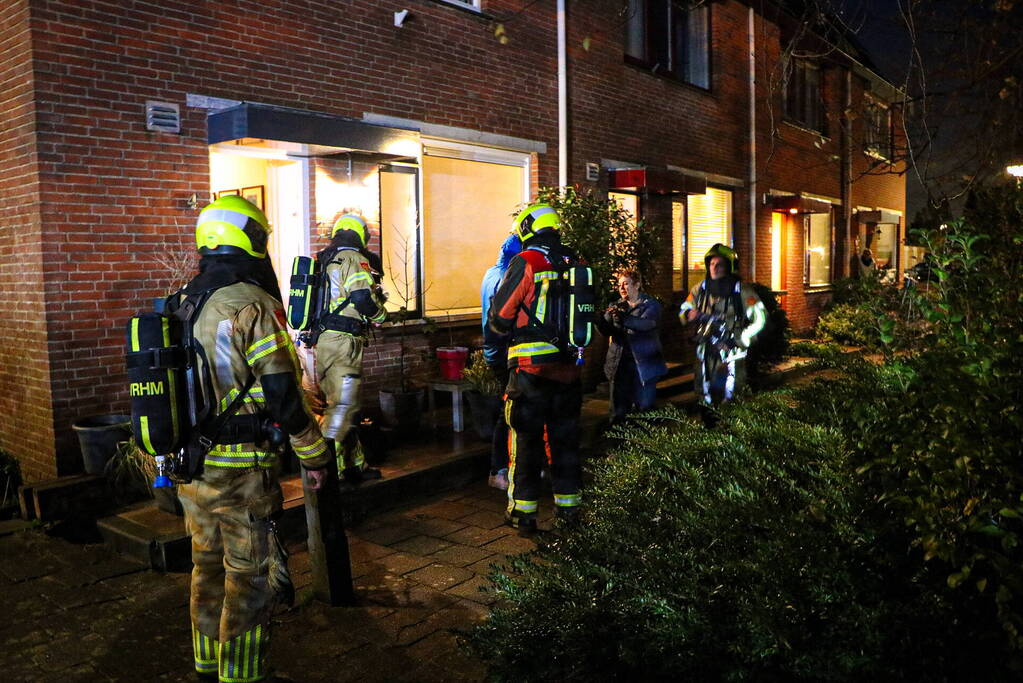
x=452, y=361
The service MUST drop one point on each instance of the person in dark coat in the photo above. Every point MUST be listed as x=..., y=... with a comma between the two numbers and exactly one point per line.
x=634, y=359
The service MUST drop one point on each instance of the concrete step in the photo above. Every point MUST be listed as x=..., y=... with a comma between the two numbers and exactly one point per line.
x=675, y=384
x=149, y=535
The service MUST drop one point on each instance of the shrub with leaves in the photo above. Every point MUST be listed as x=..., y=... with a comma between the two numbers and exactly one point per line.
x=10, y=477
x=480, y=376
x=771, y=345
x=740, y=553
x=606, y=236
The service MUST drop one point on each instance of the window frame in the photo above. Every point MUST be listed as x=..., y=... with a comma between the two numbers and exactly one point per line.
x=807, y=220
x=796, y=101
x=664, y=16
x=878, y=137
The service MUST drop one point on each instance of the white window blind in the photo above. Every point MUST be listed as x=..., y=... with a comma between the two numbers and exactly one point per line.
x=710, y=222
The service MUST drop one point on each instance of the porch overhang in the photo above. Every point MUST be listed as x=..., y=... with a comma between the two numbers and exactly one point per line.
x=795, y=204
x=306, y=133
x=879, y=216
x=657, y=180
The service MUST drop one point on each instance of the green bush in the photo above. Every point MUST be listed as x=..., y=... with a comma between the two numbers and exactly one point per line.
x=739, y=553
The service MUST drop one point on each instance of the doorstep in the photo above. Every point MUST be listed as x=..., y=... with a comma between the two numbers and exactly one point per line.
x=436, y=461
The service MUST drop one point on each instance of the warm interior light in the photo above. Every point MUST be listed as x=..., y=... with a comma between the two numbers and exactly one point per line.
x=793, y=211
x=1015, y=170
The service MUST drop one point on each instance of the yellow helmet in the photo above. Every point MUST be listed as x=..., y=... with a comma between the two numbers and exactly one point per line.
x=534, y=219
x=232, y=225
x=353, y=222
x=725, y=252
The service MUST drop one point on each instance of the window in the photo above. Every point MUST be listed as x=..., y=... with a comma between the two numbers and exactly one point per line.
x=668, y=37
x=474, y=4
x=469, y=197
x=817, y=228
x=710, y=223
x=877, y=130
x=802, y=97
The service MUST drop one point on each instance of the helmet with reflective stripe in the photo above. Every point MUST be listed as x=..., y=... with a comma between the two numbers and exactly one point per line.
x=353, y=222
x=232, y=225
x=727, y=253
x=534, y=219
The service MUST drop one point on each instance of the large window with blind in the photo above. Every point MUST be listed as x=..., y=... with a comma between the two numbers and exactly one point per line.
x=469, y=196
x=709, y=222
x=436, y=251
x=817, y=229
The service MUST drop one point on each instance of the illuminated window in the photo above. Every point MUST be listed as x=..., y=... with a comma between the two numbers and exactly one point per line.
x=817, y=228
x=671, y=38
x=710, y=223
x=470, y=195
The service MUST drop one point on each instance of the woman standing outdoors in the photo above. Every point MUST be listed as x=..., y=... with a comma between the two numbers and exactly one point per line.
x=634, y=360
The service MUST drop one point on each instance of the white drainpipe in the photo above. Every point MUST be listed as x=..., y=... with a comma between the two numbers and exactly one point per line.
x=752, y=147
x=562, y=98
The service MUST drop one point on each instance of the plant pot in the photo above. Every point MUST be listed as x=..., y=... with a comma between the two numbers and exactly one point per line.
x=485, y=408
x=402, y=409
x=452, y=361
x=98, y=435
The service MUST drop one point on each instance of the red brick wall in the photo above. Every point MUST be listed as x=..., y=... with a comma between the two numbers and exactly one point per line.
x=24, y=364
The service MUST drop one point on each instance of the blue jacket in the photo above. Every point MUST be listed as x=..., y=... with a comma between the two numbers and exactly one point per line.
x=639, y=336
x=495, y=346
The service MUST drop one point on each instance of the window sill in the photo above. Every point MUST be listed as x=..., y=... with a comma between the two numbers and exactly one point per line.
x=802, y=127
x=818, y=289
x=665, y=77
x=476, y=11
x=877, y=156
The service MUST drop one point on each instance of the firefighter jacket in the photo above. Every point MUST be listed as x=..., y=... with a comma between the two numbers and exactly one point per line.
x=522, y=300
x=351, y=295
x=241, y=331
x=743, y=312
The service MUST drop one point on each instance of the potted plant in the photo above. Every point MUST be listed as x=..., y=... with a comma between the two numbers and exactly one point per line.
x=451, y=358
x=401, y=404
x=484, y=395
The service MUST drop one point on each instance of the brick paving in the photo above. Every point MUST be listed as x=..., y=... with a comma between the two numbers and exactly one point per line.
x=79, y=612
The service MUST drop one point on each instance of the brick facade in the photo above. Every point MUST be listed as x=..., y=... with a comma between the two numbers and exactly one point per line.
x=95, y=204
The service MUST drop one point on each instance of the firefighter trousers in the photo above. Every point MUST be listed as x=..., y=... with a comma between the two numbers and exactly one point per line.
x=339, y=374
x=534, y=403
x=228, y=516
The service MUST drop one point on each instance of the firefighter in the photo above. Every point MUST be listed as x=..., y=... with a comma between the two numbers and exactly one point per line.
x=229, y=506
x=352, y=298
x=544, y=386
x=729, y=314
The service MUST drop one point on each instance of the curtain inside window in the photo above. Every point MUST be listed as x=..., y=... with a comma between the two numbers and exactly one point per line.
x=467, y=212
x=698, y=47
x=818, y=249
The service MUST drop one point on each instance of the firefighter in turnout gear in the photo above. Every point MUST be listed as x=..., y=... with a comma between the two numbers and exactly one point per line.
x=230, y=504
x=351, y=298
x=728, y=315
x=544, y=387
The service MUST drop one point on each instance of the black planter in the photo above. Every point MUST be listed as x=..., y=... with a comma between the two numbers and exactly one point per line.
x=485, y=408
x=402, y=410
x=98, y=437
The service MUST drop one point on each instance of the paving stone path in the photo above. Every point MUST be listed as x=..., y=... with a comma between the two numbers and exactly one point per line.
x=79, y=612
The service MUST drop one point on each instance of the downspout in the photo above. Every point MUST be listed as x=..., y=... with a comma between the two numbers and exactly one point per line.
x=752, y=147
x=847, y=177
x=562, y=98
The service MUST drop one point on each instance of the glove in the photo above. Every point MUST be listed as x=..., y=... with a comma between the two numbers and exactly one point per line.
x=314, y=479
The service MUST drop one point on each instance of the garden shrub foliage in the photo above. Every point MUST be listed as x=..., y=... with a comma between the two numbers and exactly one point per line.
x=866, y=525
